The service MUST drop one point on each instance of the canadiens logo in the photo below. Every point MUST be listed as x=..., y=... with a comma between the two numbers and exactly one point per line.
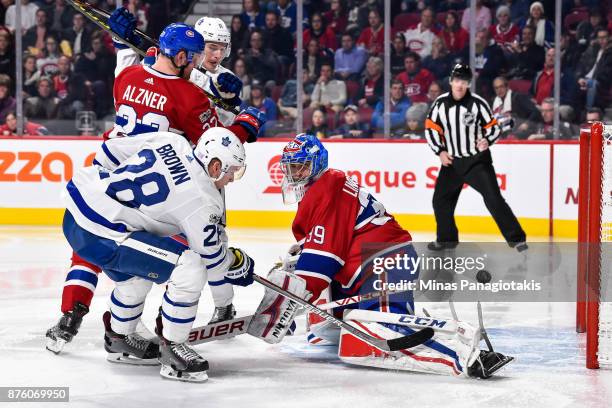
x=204, y=116
x=189, y=33
x=276, y=175
x=468, y=118
x=293, y=146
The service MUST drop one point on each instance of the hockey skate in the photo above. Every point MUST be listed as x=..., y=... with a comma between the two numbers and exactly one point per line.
x=128, y=349
x=66, y=328
x=223, y=313
x=180, y=362
x=488, y=363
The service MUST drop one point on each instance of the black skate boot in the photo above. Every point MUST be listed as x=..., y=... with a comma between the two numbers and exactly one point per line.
x=66, y=328
x=223, y=313
x=488, y=363
x=128, y=349
x=179, y=361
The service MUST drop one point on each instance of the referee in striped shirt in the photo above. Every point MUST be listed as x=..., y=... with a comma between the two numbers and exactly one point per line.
x=459, y=128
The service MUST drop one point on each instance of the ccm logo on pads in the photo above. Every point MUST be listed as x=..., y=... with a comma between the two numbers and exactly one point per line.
x=36, y=167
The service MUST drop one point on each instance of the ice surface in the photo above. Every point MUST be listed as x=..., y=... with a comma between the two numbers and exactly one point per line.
x=549, y=370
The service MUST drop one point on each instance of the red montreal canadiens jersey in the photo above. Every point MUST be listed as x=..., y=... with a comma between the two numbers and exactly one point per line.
x=334, y=220
x=149, y=101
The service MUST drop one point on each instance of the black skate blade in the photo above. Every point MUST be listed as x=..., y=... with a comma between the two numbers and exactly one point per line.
x=185, y=376
x=496, y=367
x=124, y=358
x=411, y=340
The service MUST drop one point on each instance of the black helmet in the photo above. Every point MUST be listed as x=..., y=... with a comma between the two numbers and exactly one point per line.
x=461, y=71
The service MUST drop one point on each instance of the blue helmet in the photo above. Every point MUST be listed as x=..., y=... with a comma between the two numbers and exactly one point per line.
x=308, y=151
x=180, y=37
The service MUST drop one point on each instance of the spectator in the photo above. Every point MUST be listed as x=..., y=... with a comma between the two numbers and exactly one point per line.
x=372, y=84
x=439, y=61
x=97, y=64
x=319, y=124
x=570, y=53
x=372, y=38
x=544, y=29
x=312, y=61
x=60, y=15
x=505, y=32
x=519, y=9
x=595, y=70
x=352, y=128
x=419, y=38
x=349, y=59
x=545, y=129
x=336, y=18
x=30, y=75
x=7, y=55
x=454, y=36
x=482, y=20
x=318, y=31
x=78, y=97
x=78, y=36
x=415, y=122
x=435, y=90
x=287, y=103
x=278, y=39
x=263, y=62
x=398, y=52
x=586, y=32
x=416, y=80
x=34, y=38
x=489, y=62
x=514, y=111
x=543, y=83
x=7, y=102
x=47, y=65
x=328, y=92
x=528, y=56
x=28, y=16
x=9, y=127
x=240, y=70
x=259, y=100
x=60, y=80
x=287, y=10
x=239, y=37
x=43, y=106
x=252, y=17
x=140, y=11
x=399, y=105
x=593, y=115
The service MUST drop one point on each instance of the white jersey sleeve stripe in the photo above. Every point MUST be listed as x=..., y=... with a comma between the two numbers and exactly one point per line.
x=324, y=253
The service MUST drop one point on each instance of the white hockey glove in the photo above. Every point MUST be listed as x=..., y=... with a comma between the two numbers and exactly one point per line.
x=241, y=271
x=290, y=260
x=275, y=314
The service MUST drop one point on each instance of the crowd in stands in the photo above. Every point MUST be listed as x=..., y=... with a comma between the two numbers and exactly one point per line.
x=68, y=63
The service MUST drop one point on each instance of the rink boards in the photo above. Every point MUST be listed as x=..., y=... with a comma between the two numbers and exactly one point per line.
x=539, y=181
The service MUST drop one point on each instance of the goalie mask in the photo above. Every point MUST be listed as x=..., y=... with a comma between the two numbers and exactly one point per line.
x=214, y=30
x=303, y=161
x=221, y=144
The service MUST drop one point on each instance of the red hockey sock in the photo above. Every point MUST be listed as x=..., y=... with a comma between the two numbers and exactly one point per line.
x=80, y=283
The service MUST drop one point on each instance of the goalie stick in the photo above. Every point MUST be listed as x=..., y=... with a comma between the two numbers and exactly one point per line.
x=100, y=18
x=231, y=328
x=396, y=344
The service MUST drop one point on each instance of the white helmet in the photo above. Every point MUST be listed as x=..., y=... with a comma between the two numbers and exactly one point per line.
x=222, y=144
x=214, y=30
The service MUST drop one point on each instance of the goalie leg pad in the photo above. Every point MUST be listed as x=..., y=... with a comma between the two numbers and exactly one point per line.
x=320, y=331
x=451, y=351
x=275, y=313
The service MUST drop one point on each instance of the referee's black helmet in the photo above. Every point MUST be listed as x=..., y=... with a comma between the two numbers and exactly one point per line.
x=461, y=71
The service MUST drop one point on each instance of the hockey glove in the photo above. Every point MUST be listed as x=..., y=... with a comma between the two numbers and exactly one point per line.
x=251, y=119
x=241, y=271
x=123, y=23
x=227, y=87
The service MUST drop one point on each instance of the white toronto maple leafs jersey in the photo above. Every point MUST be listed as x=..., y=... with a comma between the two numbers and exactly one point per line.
x=151, y=182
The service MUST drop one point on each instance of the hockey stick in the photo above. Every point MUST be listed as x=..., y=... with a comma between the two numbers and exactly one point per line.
x=100, y=18
x=399, y=343
x=237, y=326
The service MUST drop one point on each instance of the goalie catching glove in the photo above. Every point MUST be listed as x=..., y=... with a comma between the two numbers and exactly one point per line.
x=241, y=271
x=275, y=314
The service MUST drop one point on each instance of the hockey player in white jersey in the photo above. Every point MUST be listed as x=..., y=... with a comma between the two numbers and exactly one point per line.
x=120, y=214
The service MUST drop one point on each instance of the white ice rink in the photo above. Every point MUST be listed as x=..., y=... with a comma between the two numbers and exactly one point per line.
x=548, y=371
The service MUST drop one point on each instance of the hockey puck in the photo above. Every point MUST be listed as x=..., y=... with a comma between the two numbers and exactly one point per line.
x=483, y=276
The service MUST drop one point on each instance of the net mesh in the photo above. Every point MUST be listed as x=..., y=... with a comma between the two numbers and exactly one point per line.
x=604, y=354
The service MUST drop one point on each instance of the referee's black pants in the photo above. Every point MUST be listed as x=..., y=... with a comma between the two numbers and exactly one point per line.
x=477, y=172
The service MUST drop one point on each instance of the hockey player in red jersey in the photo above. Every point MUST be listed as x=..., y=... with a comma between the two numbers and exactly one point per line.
x=150, y=99
x=348, y=244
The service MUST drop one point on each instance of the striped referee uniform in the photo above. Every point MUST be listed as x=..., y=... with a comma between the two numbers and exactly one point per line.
x=456, y=126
